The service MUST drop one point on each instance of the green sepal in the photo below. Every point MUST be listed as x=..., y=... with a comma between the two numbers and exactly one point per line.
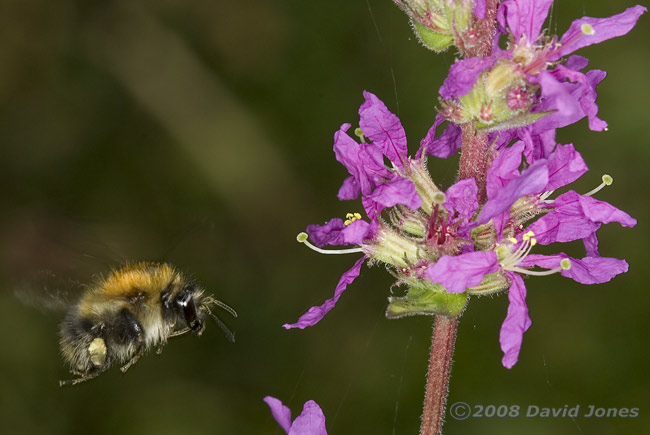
x=492, y=283
x=432, y=40
x=513, y=122
x=426, y=298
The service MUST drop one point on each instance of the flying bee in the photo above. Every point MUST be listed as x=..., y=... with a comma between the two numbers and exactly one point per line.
x=135, y=308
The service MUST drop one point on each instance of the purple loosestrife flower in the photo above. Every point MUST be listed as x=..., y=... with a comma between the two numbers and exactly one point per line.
x=310, y=422
x=530, y=81
x=444, y=246
x=404, y=187
x=504, y=242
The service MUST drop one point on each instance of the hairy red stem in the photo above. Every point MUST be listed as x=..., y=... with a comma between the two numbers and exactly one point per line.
x=442, y=352
x=473, y=164
x=474, y=158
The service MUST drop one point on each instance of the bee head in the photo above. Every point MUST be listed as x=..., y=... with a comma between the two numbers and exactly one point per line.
x=187, y=305
x=191, y=306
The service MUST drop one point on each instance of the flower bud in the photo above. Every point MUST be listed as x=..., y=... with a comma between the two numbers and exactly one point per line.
x=500, y=99
x=439, y=24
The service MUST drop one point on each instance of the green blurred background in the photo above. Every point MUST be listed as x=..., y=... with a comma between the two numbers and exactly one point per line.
x=200, y=133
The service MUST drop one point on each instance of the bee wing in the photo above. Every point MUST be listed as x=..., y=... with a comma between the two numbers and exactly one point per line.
x=49, y=293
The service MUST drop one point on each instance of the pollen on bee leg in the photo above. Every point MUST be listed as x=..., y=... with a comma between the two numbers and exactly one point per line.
x=97, y=351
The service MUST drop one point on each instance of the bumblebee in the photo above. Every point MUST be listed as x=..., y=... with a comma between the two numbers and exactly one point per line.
x=135, y=308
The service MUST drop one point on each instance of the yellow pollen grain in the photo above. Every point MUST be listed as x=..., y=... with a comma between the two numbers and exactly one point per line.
x=513, y=240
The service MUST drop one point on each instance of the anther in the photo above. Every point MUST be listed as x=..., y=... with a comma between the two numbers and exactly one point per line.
x=351, y=217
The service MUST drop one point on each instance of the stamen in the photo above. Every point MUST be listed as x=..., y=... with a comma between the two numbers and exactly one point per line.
x=607, y=181
x=545, y=195
x=351, y=217
x=302, y=238
x=510, y=261
x=359, y=133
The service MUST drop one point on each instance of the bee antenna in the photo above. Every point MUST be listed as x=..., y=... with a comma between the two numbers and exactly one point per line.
x=229, y=334
x=210, y=300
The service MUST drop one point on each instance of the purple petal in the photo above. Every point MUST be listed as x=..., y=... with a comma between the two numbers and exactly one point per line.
x=565, y=223
x=281, y=413
x=500, y=222
x=316, y=313
x=565, y=165
x=462, y=198
x=591, y=245
x=462, y=76
x=576, y=62
x=595, y=270
x=504, y=168
x=349, y=189
x=556, y=96
x=328, y=234
x=383, y=128
x=532, y=180
x=465, y=270
x=365, y=162
x=538, y=145
x=526, y=17
x=446, y=144
x=603, y=212
x=589, y=270
x=515, y=323
x=397, y=191
x=310, y=422
x=358, y=231
x=479, y=9
x=584, y=91
x=603, y=29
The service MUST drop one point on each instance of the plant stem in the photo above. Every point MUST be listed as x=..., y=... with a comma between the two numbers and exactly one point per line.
x=473, y=158
x=485, y=31
x=442, y=351
x=473, y=164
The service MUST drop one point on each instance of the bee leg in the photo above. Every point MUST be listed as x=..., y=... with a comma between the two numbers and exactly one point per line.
x=82, y=377
x=172, y=334
x=130, y=332
x=180, y=332
x=133, y=360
